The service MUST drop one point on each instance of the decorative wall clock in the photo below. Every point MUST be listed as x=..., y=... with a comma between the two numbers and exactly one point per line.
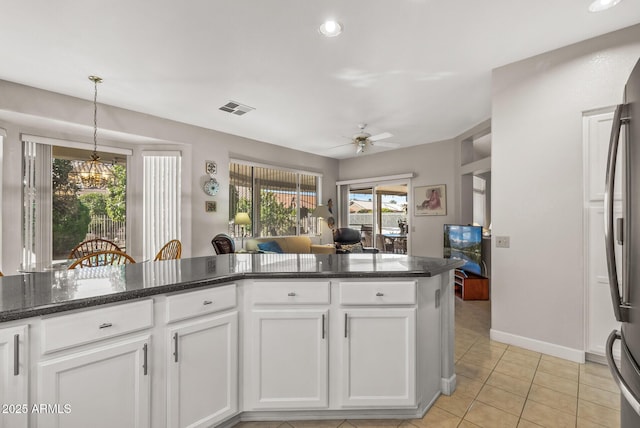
x=211, y=187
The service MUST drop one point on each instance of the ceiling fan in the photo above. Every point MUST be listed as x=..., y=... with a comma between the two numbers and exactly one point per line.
x=363, y=140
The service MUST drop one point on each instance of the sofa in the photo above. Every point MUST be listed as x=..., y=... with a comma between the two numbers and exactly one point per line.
x=290, y=244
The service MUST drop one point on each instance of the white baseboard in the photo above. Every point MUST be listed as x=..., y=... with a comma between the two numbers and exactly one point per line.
x=538, y=346
x=448, y=385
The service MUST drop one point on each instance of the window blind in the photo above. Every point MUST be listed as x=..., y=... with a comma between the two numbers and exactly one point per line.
x=161, y=200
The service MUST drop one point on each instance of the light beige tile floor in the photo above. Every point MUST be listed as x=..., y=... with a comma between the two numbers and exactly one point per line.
x=504, y=386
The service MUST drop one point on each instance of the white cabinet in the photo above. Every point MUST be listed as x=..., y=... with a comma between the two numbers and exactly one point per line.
x=14, y=377
x=379, y=357
x=202, y=370
x=104, y=386
x=289, y=359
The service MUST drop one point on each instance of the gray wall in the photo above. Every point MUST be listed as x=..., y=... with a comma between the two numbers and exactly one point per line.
x=537, y=185
x=25, y=109
x=433, y=163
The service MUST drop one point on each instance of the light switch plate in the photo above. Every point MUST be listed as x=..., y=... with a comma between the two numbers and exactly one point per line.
x=503, y=241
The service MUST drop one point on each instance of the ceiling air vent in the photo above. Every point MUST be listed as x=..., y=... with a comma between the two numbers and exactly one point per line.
x=236, y=108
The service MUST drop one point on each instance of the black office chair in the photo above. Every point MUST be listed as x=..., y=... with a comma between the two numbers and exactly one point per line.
x=349, y=240
x=223, y=244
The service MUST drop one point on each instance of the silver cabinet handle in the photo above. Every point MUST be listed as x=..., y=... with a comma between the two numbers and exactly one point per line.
x=291, y=294
x=175, y=347
x=207, y=302
x=144, y=361
x=345, y=324
x=105, y=325
x=619, y=307
x=323, y=328
x=16, y=354
x=379, y=294
x=628, y=394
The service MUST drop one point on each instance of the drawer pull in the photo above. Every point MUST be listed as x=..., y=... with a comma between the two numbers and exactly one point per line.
x=379, y=294
x=105, y=325
x=291, y=294
x=207, y=302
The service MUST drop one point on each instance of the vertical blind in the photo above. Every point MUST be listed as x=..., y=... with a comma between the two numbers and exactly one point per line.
x=161, y=200
x=36, y=199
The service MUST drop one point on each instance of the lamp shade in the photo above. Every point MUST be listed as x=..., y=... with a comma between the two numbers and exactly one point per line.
x=242, y=219
x=322, y=211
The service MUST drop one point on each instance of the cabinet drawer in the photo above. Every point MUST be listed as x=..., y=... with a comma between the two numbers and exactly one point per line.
x=78, y=328
x=195, y=303
x=378, y=293
x=279, y=293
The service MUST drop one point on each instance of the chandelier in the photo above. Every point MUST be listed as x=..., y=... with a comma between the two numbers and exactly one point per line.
x=94, y=174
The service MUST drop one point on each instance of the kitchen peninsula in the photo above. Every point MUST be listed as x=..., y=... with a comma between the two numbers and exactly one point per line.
x=211, y=341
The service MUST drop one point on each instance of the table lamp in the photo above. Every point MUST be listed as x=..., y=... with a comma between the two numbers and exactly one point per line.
x=323, y=212
x=242, y=219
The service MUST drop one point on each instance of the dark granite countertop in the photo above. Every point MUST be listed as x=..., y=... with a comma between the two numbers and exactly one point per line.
x=35, y=294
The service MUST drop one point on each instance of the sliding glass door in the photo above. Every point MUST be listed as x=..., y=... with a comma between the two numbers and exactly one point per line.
x=379, y=212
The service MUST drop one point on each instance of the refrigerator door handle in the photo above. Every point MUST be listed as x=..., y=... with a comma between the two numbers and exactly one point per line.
x=619, y=308
x=628, y=394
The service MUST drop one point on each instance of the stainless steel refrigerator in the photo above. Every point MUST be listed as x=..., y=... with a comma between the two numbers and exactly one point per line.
x=625, y=231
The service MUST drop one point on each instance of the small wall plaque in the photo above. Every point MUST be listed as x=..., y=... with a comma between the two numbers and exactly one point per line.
x=211, y=168
x=210, y=206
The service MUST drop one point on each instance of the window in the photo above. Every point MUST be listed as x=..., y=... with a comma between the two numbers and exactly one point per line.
x=278, y=201
x=161, y=205
x=58, y=212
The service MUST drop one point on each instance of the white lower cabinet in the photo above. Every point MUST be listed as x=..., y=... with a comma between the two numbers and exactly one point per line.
x=14, y=377
x=202, y=371
x=289, y=359
x=104, y=386
x=378, y=357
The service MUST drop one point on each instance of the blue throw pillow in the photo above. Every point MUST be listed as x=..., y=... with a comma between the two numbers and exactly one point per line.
x=270, y=246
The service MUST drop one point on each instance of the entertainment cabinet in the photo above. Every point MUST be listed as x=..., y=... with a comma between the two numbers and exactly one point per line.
x=471, y=286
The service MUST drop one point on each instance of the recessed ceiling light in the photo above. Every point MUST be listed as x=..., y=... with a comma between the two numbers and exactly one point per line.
x=330, y=28
x=600, y=5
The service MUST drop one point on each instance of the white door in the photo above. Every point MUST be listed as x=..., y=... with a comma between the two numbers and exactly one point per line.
x=600, y=319
x=379, y=357
x=14, y=378
x=103, y=387
x=289, y=360
x=202, y=372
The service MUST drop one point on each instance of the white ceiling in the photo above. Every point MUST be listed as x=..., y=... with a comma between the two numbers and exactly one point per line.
x=419, y=69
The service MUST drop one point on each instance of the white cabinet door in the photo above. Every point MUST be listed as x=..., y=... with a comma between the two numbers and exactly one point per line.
x=14, y=378
x=202, y=372
x=103, y=387
x=289, y=361
x=379, y=357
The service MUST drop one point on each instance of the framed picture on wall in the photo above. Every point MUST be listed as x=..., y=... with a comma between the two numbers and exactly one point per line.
x=431, y=200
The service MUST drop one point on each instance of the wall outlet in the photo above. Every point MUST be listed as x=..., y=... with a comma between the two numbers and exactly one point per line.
x=503, y=242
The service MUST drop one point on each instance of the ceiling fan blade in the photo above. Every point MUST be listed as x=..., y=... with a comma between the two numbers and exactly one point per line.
x=382, y=136
x=386, y=144
x=341, y=145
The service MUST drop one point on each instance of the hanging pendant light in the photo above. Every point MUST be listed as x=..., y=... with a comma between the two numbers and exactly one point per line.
x=94, y=174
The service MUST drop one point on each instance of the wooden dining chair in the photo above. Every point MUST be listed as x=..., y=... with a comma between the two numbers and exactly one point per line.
x=103, y=258
x=92, y=246
x=172, y=250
